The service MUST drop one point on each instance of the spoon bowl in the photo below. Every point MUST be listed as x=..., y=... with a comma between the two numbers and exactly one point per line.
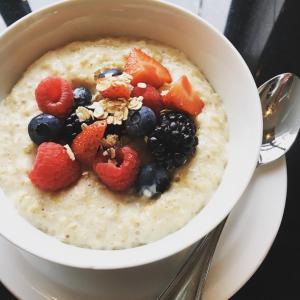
x=281, y=115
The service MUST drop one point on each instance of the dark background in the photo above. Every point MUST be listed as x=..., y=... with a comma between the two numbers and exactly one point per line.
x=267, y=34
x=277, y=36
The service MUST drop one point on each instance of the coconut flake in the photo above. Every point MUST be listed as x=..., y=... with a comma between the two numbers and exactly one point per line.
x=98, y=110
x=69, y=152
x=83, y=113
x=136, y=103
x=142, y=85
x=164, y=92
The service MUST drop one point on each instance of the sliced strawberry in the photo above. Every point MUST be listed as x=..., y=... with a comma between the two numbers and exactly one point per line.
x=116, y=91
x=86, y=143
x=182, y=97
x=53, y=169
x=152, y=97
x=121, y=175
x=146, y=69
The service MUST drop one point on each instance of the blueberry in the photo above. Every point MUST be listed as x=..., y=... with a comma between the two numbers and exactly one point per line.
x=45, y=128
x=152, y=180
x=112, y=72
x=82, y=96
x=140, y=122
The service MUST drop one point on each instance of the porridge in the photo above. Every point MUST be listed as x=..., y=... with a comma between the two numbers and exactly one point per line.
x=113, y=179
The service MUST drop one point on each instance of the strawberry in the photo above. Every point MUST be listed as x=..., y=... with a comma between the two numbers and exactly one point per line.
x=152, y=97
x=116, y=91
x=53, y=169
x=54, y=96
x=121, y=175
x=86, y=144
x=146, y=69
x=182, y=97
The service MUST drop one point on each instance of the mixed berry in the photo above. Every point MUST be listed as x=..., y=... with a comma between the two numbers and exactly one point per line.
x=140, y=122
x=45, y=128
x=174, y=140
x=82, y=97
x=80, y=130
x=153, y=180
x=73, y=125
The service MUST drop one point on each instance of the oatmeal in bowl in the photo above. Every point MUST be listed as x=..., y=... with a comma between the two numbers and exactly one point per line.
x=57, y=203
x=120, y=142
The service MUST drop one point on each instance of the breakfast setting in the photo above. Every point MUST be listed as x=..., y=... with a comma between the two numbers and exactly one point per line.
x=143, y=150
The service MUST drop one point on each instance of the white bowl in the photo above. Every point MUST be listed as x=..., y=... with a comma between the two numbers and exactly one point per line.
x=68, y=21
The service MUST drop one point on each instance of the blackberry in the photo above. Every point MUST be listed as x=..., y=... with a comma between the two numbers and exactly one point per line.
x=115, y=129
x=72, y=126
x=174, y=140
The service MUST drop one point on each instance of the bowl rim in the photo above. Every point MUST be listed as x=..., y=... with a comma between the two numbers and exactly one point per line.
x=145, y=254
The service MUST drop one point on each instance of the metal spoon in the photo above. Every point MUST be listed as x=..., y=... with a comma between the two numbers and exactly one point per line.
x=280, y=100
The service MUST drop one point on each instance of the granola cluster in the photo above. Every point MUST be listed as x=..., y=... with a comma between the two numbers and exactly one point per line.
x=113, y=111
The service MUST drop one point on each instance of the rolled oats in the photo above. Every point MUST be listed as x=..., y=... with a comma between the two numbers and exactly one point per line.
x=83, y=126
x=99, y=112
x=83, y=113
x=135, y=103
x=28, y=148
x=112, y=153
x=110, y=141
x=116, y=111
x=110, y=120
x=97, y=97
x=125, y=114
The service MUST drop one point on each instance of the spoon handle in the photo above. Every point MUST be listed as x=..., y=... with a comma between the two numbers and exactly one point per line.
x=188, y=283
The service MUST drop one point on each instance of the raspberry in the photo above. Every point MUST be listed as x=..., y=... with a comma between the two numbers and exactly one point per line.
x=53, y=169
x=54, y=96
x=121, y=175
x=86, y=143
x=151, y=97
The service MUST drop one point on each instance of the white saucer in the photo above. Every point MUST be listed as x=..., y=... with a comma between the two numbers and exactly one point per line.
x=246, y=240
